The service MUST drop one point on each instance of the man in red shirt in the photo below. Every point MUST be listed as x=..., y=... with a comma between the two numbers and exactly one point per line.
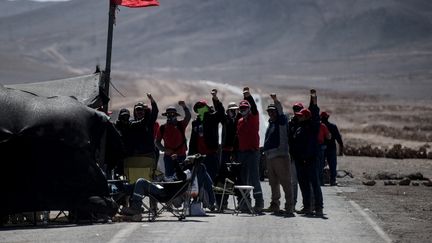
x=323, y=135
x=173, y=135
x=248, y=150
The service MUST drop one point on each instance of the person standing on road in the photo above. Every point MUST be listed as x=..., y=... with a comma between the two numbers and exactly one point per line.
x=323, y=135
x=330, y=152
x=173, y=135
x=229, y=146
x=278, y=158
x=142, y=128
x=248, y=150
x=292, y=127
x=305, y=142
x=205, y=133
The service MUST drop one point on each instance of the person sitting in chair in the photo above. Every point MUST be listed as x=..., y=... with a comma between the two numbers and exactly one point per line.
x=171, y=185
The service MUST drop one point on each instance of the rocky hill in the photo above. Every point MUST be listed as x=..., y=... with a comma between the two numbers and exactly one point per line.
x=295, y=42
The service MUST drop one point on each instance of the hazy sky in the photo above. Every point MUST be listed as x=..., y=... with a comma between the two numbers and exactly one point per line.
x=46, y=0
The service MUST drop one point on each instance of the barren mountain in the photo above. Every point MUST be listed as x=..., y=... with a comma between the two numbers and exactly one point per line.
x=342, y=44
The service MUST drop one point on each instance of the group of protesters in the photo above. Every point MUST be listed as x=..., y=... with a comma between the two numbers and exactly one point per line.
x=295, y=149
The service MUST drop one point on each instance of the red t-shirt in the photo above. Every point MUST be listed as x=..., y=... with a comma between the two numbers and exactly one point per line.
x=323, y=133
x=173, y=138
x=202, y=146
x=247, y=132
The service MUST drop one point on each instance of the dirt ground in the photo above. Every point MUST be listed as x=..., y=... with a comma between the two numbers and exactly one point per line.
x=405, y=212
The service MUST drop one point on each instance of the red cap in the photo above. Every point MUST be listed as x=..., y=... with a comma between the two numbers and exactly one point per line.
x=304, y=113
x=244, y=103
x=324, y=115
x=297, y=107
x=199, y=104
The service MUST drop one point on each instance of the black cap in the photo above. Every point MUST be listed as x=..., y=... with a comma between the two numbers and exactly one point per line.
x=271, y=107
x=124, y=111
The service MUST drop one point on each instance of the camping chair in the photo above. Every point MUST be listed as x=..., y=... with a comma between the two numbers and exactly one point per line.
x=183, y=193
x=136, y=167
x=226, y=190
x=225, y=182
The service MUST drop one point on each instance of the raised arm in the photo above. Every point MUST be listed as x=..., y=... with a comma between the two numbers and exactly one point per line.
x=187, y=113
x=154, y=110
x=247, y=96
x=220, y=110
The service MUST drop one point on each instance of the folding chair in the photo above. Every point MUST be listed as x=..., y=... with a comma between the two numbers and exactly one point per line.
x=226, y=190
x=136, y=167
x=181, y=189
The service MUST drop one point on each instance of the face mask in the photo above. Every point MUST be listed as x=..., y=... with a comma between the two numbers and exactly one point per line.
x=201, y=111
x=231, y=113
x=244, y=112
x=171, y=119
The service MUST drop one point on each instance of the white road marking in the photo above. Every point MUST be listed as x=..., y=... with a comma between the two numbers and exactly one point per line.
x=121, y=236
x=371, y=222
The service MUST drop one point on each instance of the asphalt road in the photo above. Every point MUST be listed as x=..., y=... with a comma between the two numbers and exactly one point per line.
x=344, y=221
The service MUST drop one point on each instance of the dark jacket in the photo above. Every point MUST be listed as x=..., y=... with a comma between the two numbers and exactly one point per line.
x=125, y=134
x=210, y=128
x=142, y=132
x=229, y=133
x=276, y=137
x=335, y=136
x=293, y=124
x=305, y=137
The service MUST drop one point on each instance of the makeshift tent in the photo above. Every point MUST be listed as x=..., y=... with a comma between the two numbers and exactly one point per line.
x=50, y=146
x=87, y=89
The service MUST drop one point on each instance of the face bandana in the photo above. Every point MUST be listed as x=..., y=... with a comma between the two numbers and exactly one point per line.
x=244, y=112
x=171, y=118
x=201, y=111
x=231, y=113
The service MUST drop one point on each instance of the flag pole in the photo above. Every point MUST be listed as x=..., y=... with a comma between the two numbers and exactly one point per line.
x=107, y=72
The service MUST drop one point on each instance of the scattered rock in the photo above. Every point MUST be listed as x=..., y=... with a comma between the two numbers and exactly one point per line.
x=389, y=183
x=405, y=182
x=415, y=183
x=369, y=183
x=396, y=152
x=416, y=176
x=343, y=173
x=387, y=176
x=367, y=176
x=427, y=183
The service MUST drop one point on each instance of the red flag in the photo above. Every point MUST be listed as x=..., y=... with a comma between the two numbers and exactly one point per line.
x=136, y=3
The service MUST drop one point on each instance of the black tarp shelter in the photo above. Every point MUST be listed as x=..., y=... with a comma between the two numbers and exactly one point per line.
x=87, y=89
x=51, y=143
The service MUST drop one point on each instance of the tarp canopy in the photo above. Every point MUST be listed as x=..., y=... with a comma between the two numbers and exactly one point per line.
x=49, y=149
x=87, y=89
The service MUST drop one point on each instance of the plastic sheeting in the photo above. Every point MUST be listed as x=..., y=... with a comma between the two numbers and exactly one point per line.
x=87, y=89
x=49, y=149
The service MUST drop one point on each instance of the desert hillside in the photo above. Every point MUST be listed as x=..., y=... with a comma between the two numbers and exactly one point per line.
x=370, y=60
x=348, y=45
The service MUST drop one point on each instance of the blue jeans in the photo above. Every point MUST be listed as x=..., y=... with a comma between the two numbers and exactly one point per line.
x=205, y=185
x=294, y=182
x=169, y=164
x=308, y=180
x=330, y=154
x=143, y=188
x=249, y=174
x=211, y=162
